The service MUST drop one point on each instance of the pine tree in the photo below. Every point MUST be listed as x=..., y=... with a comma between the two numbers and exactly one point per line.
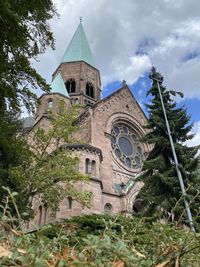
x=161, y=192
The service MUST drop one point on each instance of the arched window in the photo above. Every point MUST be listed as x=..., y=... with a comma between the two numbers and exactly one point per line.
x=40, y=215
x=89, y=89
x=93, y=167
x=87, y=166
x=135, y=209
x=70, y=86
x=45, y=213
x=137, y=206
x=49, y=104
x=69, y=203
x=108, y=208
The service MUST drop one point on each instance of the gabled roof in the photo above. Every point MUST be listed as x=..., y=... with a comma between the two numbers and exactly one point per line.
x=116, y=92
x=58, y=86
x=79, y=49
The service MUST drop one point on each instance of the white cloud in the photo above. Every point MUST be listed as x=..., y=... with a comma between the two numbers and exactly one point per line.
x=129, y=70
x=126, y=36
x=196, y=139
x=170, y=55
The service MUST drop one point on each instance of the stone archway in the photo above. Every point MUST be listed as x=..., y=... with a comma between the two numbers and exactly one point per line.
x=137, y=206
x=133, y=205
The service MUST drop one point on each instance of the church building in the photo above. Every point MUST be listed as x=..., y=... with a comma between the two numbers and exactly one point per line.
x=110, y=128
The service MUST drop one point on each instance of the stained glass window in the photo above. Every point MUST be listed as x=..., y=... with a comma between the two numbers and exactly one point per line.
x=126, y=146
x=118, y=153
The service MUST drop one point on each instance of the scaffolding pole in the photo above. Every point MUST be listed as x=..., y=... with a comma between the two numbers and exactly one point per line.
x=159, y=79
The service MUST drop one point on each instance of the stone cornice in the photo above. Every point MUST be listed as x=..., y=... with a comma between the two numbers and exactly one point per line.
x=86, y=147
x=94, y=179
x=53, y=93
x=110, y=194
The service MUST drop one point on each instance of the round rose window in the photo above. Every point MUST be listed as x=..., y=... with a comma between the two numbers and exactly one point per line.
x=126, y=146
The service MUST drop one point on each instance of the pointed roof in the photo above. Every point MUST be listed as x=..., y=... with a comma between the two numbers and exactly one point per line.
x=78, y=49
x=124, y=86
x=58, y=86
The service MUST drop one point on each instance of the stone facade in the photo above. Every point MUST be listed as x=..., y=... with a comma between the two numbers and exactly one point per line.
x=110, y=152
x=82, y=73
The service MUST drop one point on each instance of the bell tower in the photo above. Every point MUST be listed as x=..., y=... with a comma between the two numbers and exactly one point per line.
x=77, y=67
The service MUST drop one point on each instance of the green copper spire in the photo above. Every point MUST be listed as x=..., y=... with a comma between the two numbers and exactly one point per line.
x=78, y=49
x=58, y=86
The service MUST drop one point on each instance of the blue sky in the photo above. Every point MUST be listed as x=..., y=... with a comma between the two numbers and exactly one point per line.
x=139, y=90
x=128, y=37
x=192, y=106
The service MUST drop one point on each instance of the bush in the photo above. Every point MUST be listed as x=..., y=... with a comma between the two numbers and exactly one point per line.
x=99, y=240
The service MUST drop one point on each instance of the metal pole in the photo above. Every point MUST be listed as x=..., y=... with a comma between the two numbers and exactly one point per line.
x=159, y=80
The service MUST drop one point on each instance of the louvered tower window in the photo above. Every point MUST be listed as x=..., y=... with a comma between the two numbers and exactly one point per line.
x=89, y=89
x=70, y=86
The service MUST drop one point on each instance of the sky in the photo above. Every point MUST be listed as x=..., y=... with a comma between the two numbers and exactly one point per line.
x=128, y=37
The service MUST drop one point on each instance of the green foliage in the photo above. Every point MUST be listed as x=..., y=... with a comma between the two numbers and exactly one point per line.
x=161, y=193
x=48, y=170
x=78, y=228
x=119, y=241
x=24, y=35
x=12, y=149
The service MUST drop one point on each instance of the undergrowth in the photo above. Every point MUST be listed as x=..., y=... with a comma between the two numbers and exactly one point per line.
x=99, y=241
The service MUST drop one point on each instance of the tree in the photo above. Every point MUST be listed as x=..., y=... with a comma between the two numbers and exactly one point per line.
x=47, y=170
x=161, y=192
x=24, y=35
x=11, y=150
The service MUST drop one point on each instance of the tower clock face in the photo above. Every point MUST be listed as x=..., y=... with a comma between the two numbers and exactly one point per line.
x=126, y=146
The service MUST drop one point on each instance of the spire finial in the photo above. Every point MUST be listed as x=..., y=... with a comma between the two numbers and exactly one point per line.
x=124, y=82
x=81, y=19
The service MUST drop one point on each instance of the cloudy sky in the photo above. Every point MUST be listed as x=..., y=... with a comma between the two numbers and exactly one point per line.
x=127, y=37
